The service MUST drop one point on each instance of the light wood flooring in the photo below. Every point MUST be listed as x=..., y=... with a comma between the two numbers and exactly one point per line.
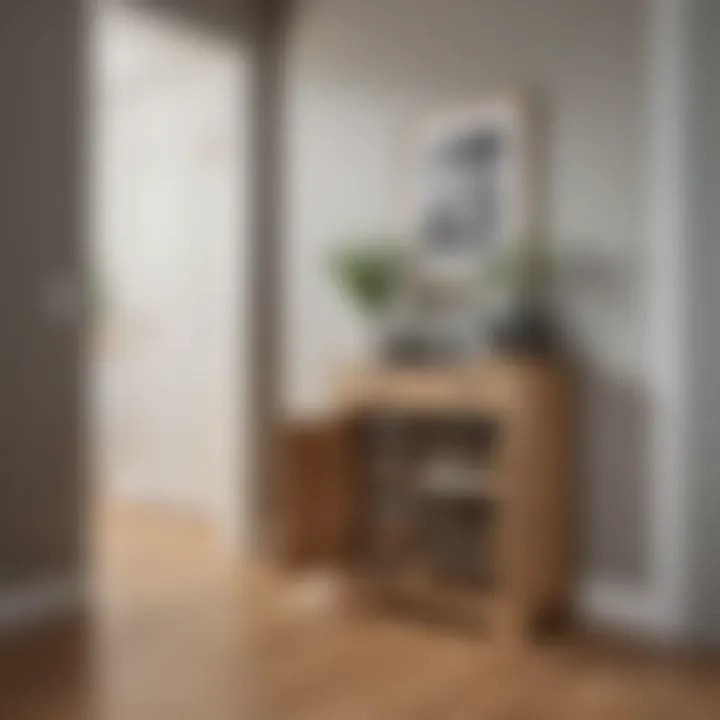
x=180, y=632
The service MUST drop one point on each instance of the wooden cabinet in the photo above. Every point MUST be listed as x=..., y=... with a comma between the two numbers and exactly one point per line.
x=526, y=483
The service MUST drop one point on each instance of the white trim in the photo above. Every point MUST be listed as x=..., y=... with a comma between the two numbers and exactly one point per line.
x=667, y=214
x=27, y=604
x=625, y=607
x=658, y=609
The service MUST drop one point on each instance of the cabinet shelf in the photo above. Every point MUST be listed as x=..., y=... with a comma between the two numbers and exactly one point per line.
x=485, y=484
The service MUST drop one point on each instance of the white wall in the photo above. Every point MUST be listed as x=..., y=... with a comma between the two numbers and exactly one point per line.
x=362, y=72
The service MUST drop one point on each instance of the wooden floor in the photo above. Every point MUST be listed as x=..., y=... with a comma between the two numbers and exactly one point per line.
x=181, y=633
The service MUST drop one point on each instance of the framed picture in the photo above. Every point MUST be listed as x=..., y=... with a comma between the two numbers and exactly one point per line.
x=473, y=188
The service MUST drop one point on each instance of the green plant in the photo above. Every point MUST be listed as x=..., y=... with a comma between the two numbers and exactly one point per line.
x=368, y=272
x=526, y=269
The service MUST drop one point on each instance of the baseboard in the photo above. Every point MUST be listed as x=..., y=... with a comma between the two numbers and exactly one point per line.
x=610, y=604
x=624, y=607
x=38, y=601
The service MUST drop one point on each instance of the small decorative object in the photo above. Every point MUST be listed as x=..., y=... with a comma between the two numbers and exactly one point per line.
x=526, y=324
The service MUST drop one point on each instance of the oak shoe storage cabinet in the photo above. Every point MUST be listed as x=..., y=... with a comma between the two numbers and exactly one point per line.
x=456, y=490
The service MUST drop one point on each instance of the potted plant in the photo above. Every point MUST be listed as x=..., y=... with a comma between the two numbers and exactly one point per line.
x=368, y=273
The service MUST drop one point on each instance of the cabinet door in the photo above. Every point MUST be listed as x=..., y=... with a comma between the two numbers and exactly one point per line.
x=318, y=505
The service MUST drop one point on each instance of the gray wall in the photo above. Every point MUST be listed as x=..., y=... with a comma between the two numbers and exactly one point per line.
x=41, y=492
x=703, y=265
x=361, y=73
x=231, y=18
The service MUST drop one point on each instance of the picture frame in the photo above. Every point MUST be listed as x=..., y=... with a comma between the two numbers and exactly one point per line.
x=474, y=189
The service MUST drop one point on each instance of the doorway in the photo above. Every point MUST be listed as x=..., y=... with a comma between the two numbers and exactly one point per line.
x=168, y=260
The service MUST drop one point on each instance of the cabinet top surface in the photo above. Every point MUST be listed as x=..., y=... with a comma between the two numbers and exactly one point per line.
x=479, y=386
